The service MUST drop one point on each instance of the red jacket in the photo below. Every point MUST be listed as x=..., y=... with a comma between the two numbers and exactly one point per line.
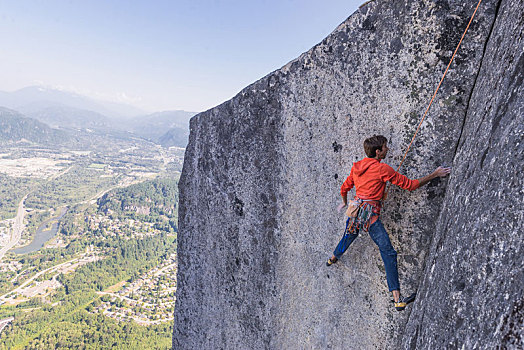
x=369, y=176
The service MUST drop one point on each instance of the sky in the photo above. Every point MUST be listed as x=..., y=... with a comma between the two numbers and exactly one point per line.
x=158, y=54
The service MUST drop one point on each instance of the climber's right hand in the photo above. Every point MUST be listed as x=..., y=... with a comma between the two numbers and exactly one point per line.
x=442, y=171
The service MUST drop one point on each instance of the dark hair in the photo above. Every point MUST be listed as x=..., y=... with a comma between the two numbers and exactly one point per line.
x=374, y=143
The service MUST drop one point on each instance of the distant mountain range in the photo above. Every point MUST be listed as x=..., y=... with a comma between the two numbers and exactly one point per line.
x=35, y=98
x=14, y=127
x=170, y=128
x=69, y=117
x=175, y=137
x=65, y=110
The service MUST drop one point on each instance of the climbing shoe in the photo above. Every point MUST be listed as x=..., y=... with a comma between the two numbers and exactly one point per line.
x=403, y=301
x=331, y=261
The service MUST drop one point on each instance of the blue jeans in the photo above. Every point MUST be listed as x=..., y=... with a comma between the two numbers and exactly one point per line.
x=380, y=237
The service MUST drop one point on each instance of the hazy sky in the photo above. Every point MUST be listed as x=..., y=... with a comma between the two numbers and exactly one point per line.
x=158, y=54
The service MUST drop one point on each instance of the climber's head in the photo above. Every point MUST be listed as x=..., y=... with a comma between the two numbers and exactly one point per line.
x=376, y=147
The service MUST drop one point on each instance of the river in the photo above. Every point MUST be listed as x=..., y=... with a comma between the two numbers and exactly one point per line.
x=42, y=235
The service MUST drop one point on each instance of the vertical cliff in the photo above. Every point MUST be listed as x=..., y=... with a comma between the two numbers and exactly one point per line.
x=262, y=174
x=472, y=291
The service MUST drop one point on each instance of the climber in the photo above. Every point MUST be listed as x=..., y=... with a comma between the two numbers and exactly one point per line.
x=369, y=176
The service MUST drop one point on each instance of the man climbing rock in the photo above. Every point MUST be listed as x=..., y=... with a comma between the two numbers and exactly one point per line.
x=369, y=177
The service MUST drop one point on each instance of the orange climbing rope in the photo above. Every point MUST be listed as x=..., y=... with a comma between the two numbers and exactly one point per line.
x=435, y=94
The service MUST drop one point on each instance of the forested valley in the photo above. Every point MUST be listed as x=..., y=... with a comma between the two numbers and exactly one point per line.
x=88, y=246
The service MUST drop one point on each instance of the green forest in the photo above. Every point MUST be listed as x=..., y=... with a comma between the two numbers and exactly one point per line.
x=126, y=260
x=68, y=319
x=69, y=325
x=160, y=196
x=12, y=191
x=77, y=184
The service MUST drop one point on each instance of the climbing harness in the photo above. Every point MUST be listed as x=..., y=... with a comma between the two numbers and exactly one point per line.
x=435, y=94
x=362, y=215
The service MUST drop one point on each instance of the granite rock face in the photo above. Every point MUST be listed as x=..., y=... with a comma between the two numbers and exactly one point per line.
x=262, y=176
x=472, y=292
